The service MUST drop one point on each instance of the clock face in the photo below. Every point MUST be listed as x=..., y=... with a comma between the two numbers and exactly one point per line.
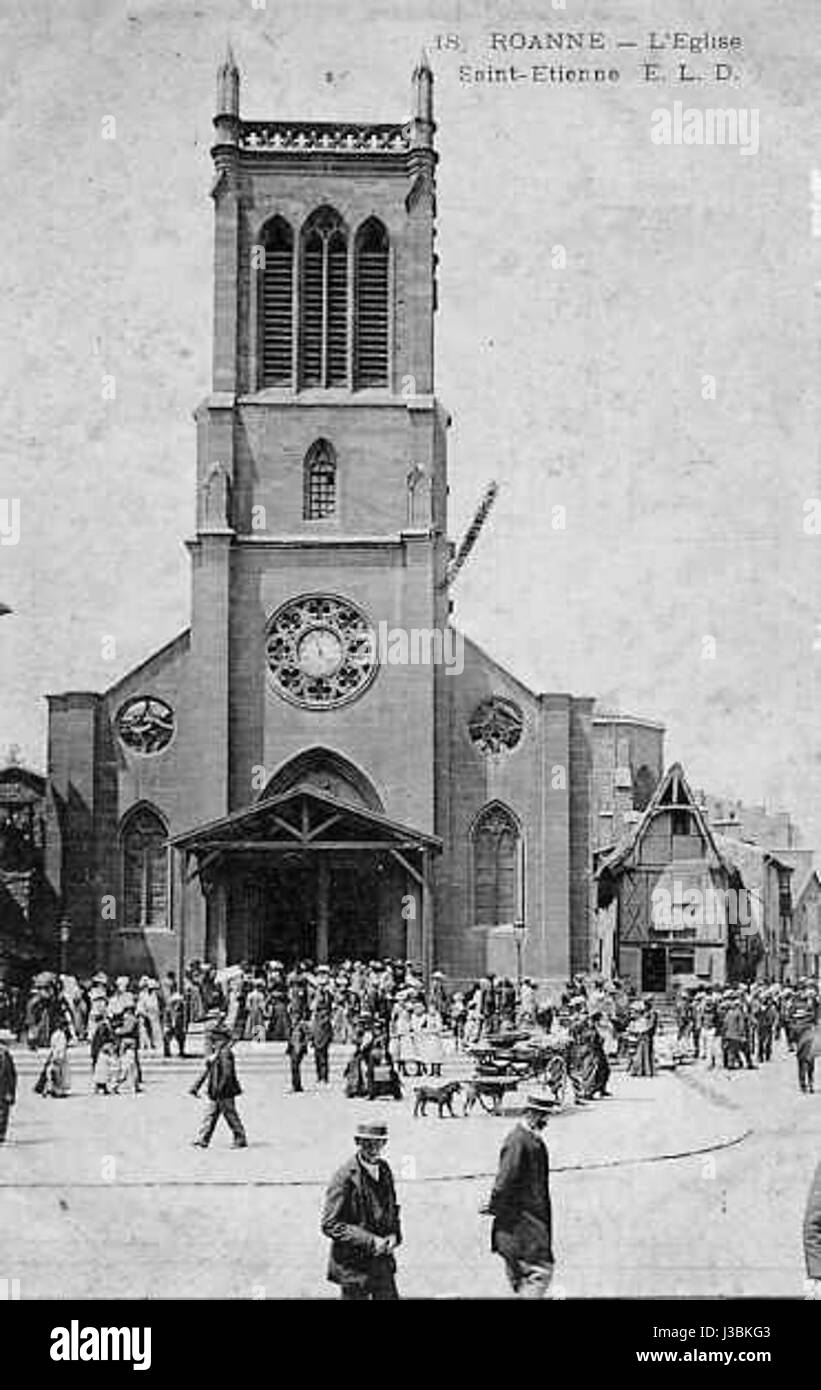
x=321, y=651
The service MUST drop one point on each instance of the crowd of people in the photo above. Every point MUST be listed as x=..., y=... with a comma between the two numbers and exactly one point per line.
x=393, y=1025
x=735, y=1027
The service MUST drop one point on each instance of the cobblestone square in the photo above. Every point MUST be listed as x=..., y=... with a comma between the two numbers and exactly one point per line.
x=688, y=1184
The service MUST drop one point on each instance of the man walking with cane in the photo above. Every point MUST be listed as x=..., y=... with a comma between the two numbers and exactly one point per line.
x=520, y=1204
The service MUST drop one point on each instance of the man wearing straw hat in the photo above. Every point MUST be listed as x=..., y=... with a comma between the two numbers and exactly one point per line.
x=520, y=1203
x=361, y=1219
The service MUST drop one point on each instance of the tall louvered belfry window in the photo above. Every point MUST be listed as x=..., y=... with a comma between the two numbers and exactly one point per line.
x=323, y=354
x=495, y=867
x=145, y=871
x=371, y=299
x=320, y=481
x=277, y=304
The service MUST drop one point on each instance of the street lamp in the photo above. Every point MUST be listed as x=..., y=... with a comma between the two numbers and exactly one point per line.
x=519, y=936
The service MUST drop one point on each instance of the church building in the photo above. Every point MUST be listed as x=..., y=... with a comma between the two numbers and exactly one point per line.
x=321, y=765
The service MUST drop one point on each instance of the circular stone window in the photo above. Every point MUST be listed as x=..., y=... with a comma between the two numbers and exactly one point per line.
x=496, y=725
x=145, y=724
x=321, y=651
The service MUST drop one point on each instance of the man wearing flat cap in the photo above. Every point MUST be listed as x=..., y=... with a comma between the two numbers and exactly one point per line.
x=361, y=1219
x=520, y=1204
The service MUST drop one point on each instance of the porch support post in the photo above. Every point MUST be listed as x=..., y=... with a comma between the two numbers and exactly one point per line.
x=181, y=861
x=323, y=894
x=427, y=920
x=219, y=907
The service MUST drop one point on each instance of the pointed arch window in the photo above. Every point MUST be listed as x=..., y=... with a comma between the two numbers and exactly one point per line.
x=320, y=481
x=144, y=871
x=496, y=867
x=324, y=301
x=277, y=304
x=371, y=304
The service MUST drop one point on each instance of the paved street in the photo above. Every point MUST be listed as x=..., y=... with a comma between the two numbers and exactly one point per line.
x=692, y=1183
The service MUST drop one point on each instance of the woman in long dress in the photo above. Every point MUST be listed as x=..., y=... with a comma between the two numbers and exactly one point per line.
x=255, y=1021
x=640, y=1031
x=432, y=1042
x=473, y=1019
x=587, y=1064
x=148, y=1014
x=418, y=1024
x=356, y=1068
x=55, y=1078
x=401, y=1035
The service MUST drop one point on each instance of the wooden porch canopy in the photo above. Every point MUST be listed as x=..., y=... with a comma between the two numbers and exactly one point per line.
x=306, y=820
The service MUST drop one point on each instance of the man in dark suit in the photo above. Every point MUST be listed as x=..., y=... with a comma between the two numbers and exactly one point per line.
x=803, y=1018
x=520, y=1204
x=8, y=1082
x=223, y=1088
x=322, y=1023
x=812, y=1236
x=361, y=1219
x=299, y=1035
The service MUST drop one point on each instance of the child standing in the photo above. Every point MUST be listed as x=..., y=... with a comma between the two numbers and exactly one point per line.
x=433, y=1041
x=106, y=1069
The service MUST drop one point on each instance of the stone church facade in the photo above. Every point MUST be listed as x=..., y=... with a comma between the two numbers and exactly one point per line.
x=278, y=781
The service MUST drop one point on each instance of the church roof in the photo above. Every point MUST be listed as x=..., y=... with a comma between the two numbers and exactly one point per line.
x=672, y=791
x=602, y=714
x=157, y=658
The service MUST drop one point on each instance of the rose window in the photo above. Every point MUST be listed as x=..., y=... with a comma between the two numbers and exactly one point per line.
x=321, y=651
x=496, y=725
x=145, y=724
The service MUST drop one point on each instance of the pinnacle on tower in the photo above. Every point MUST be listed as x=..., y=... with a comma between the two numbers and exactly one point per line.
x=422, y=125
x=423, y=90
x=228, y=86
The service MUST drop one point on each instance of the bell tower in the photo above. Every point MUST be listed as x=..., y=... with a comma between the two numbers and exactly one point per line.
x=322, y=473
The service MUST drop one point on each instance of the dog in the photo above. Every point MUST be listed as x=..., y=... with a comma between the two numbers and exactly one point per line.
x=441, y=1096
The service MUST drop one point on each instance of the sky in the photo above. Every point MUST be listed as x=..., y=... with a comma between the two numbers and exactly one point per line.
x=584, y=386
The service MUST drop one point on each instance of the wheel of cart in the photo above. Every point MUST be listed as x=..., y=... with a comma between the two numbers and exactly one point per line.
x=490, y=1091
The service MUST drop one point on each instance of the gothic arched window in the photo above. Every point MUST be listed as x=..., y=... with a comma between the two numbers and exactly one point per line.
x=320, y=481
x=145, y=871
x=323, y=353
x=277, y=304
x=496, y=890
x=371, y=301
